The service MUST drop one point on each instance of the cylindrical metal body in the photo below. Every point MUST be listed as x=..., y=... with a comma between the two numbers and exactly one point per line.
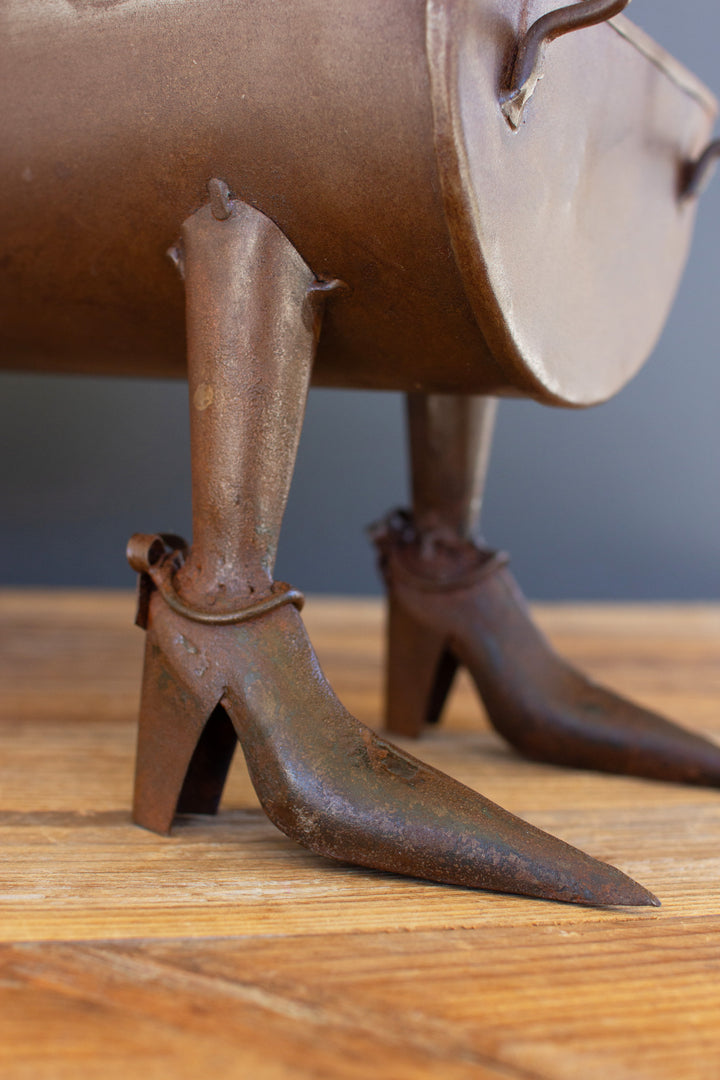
x=358, y=128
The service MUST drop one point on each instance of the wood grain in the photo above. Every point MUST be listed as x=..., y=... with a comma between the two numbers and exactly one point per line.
x=226, y=949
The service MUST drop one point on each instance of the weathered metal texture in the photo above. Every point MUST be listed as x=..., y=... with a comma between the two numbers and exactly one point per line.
x=473, y=258
x=556, y=225
x=451, y=604
x=322, y=777
x=478, y=259
x=450, y=439
x=225, y=645
x=527, y=68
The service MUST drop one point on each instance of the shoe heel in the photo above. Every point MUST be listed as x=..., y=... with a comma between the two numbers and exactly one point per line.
x=184, y=749
x=419, y=673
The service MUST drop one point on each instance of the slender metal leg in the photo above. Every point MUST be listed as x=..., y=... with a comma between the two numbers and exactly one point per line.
x=450, y=438
x=452, y=602
x=226, y=651
x=253, y=317
x=252, y=327
x=450, y=441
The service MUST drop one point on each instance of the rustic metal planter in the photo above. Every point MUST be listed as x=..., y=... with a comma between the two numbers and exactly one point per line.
x=382, y=195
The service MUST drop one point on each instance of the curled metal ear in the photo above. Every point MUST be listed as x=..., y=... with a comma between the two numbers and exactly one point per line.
x=527, y=68
x=697, y=174
x=146, y=550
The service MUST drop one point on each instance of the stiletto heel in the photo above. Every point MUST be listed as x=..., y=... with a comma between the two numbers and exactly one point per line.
x=172, y=768
x=419, y=674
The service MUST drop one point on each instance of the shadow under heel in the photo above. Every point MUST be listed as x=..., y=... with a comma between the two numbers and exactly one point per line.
x=419, y=674
x=209, y=766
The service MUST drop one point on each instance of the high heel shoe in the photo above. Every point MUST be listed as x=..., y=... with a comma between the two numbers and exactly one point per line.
x=322, y=777
x=452, y=603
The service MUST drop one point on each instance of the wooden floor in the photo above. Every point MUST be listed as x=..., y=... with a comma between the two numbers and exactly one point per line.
x=227, y=951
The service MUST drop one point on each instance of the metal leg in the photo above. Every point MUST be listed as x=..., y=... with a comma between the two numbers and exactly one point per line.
x=450, y=440
x=226, y=645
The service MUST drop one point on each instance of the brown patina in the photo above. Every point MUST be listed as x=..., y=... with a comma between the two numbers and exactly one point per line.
x=447, y=199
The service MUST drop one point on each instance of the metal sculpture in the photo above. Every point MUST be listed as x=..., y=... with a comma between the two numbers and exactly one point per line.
x=360, y=187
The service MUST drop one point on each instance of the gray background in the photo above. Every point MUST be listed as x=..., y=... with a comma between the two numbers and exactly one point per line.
x=622, y=501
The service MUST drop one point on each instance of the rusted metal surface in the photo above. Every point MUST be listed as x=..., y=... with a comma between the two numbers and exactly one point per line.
x=221, y=650
x=527, y=68
x=529, y=229
x=546, y=709
x=322, y=777
x=453, y=602
x=372, y=133
x=361, y=161
x=450, y=443
x=157, y=558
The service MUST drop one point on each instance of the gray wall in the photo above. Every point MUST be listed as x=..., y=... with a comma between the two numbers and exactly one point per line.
x=621, y=501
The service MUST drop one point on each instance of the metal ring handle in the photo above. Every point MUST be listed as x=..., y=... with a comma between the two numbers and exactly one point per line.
x=527, y=68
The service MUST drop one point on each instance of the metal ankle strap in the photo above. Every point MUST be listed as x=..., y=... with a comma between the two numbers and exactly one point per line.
x=148, y=555
x=396, y=536
x=397, y=572
x=281, y=594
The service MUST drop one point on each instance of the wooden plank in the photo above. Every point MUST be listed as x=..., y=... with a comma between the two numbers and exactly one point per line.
x=78, y=868
x=111, y=1014
x=71, y=876
x=545, y=1001
x=226, y=949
